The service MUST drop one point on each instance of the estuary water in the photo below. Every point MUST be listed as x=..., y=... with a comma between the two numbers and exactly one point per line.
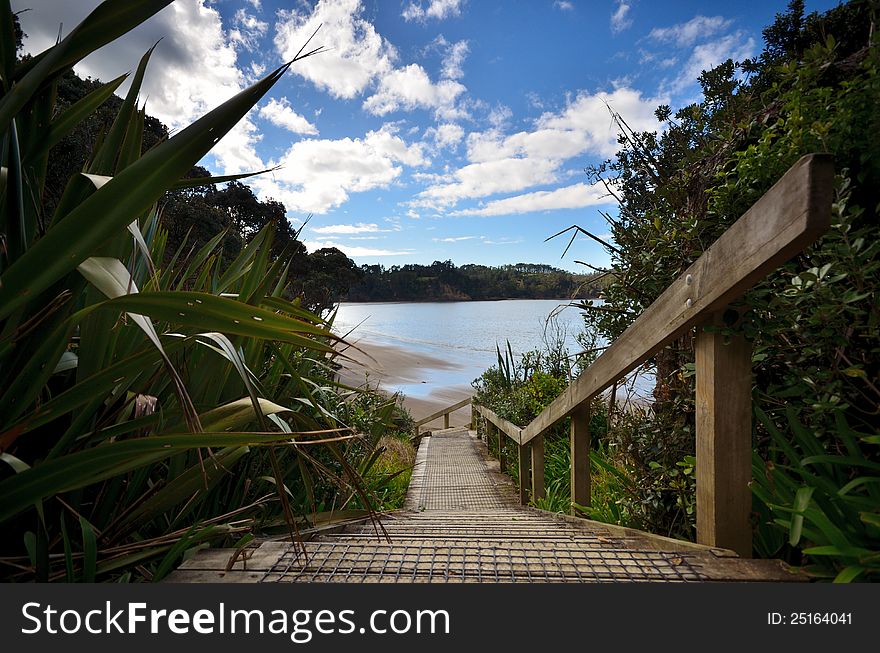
x=461, y=334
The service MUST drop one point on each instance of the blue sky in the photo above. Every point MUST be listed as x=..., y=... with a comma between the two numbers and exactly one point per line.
x=429, y=129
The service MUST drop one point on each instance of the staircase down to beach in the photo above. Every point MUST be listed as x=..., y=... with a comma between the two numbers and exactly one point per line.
x=463, y=523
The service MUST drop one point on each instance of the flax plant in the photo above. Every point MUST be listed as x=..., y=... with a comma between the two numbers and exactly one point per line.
x=145, y=411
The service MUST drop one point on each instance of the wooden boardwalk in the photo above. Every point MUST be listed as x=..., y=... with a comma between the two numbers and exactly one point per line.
x=462, y=523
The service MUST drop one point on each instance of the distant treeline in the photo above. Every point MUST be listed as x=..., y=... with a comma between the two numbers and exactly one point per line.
x=443, y=281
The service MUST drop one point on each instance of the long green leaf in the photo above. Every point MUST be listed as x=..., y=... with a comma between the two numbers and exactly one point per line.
x=95, y=387
x=7, y=44
x=196, y=479
x=73, y=116
x=801, y=501
x=121, y=200
x=110, y=20
x=112, y=278
x=236, y=415
x=84, y=468
x=90, y=551
x=194, y=182
x=111, y=154
x=207, y=312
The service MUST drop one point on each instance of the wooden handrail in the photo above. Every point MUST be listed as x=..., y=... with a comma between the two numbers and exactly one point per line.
x=789, y=217
x=443, y=413
x=510, y=429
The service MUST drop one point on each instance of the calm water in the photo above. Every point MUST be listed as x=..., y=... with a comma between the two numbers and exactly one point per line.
x=463, y=334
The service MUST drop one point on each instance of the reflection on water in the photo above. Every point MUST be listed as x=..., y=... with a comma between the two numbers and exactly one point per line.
x=463, y=334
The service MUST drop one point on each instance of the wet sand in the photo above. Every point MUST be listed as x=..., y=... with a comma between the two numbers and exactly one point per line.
x=392, y=367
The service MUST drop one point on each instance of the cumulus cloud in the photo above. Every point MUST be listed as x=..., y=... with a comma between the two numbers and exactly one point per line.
x=487, y=178
x=356, y=54
x=358, y=58
x=193, y=69
x=569, y=197
x=410, y=88
x=359, y=228
x=507, y=163
x=280, y=113
x=620, y=18
x=588, y=116
x=317, y=175
x=686, y=34
x=446, y=135
x=353, y=250
x=437, y=9
x=454, y=55
x=563, y=5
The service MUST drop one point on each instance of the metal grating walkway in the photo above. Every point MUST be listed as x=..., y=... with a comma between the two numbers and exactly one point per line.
x=462, y=523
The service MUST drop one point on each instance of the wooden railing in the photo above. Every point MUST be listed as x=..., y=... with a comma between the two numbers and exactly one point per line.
x=444, y=413
x=788, y=218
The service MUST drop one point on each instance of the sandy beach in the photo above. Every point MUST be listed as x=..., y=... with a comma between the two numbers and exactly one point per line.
x=392, y=367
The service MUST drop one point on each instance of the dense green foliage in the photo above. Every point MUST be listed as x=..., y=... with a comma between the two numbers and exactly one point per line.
x=814, y=323
x=153, y=400
x=443, y=281
x=629, y=486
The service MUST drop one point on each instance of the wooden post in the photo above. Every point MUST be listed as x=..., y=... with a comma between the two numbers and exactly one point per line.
x=724, y=441
x=537, y=448
x=446, y=420
x=502, y=463
x=523, y=474
x=580, y=457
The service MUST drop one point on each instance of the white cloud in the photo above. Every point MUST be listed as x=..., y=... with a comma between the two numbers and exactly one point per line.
x=564, y=5
x=453, y=60
x=588, y=116
x=453, y=239
x=700, y=44
x=410, y=88
x=356, y=54
x=279, y=113
x=359, y=228
x=438, y=9
x=620, y=19
x=445, y=135
x=686, y=34
x=357, y=57
x=487, y=178
x=193, y=70
x=737, y=46
x=320, y=174
x=558, y=144
x=569, y=197
x=501, y=163
x=353, y=250
x=248, y=30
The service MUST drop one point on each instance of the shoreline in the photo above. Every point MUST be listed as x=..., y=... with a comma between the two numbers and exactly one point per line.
x=391, y=367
